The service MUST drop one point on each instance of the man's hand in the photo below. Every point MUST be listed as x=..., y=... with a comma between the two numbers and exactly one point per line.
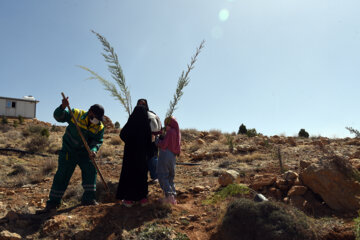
x=65, y=103
x=92, y=155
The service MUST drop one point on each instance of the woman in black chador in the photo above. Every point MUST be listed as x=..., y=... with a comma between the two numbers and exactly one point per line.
x=136, y=135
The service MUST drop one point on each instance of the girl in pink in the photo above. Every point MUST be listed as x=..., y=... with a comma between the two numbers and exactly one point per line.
x=169, y=149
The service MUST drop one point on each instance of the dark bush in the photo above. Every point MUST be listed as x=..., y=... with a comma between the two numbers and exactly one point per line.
x=242, y=129
x=117, y=125
x=21, y=119
x=245, y=219
x=251, y=132
x=303, y=133
x=4, y=120
x=37, y=144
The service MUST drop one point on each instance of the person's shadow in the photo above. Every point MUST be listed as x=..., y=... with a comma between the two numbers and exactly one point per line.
x=119, y=218
x=116, y=219
x=26, y=224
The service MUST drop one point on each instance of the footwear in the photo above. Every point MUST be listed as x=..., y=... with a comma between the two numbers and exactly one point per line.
x=89, y=203
x=144, y=202
x=50, y=208
x=172, y=200
x=128, y=203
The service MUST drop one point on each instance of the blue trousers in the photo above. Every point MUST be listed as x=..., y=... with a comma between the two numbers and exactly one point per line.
x=152, y=163
x=166, y=171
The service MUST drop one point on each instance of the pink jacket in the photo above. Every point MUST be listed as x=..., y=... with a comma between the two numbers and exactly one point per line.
x=172, y=138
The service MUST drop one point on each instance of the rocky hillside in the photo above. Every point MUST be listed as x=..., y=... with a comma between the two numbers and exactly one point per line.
x=314, y=179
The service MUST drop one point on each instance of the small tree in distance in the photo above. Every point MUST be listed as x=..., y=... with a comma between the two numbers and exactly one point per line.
x=303, y=133
x=242, y=129
x=117, y=125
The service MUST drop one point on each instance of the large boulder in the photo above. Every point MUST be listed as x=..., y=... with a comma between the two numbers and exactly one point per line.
x=336, y=181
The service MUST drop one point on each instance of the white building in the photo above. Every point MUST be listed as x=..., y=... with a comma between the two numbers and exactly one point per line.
x=15, y=107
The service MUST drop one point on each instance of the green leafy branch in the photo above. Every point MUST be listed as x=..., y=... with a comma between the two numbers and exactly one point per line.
x=116, y=72
x=183, y=82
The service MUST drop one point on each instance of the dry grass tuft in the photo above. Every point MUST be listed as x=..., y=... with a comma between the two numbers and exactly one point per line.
x=48, y=167
x=106, y=151
x=115, y=140
x=251, y=157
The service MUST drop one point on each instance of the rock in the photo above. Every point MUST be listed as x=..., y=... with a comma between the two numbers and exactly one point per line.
x=53, y=225
x=6, y=235
x=298, y=182
x=290, y=176
x=245, y=148
x=198, y=189
x=304, y=164
x=206, y=172
x=335, y=180
x=193, y=217
x=200, y=141
x=297, y=191
x=228, y=177
x=297, y=201
x=282, y=184
x=261, y=181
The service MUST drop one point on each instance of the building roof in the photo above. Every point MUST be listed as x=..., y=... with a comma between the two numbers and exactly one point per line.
x=20, y=99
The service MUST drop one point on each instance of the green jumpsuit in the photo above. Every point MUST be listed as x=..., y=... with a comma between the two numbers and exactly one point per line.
x=74, y=153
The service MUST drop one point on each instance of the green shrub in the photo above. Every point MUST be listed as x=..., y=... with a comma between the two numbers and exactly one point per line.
x=117, y=125
x=230, y=142
x=228, y=191
x=21, y=119
x=251, y=132
x=264, y=221
x=36, y=130
x=45, y=132
x=15, y=124
x=4, y=120
x=303, y=133
x=242, y=129
x=153, y=231
x=357, y=227
x=55, y=128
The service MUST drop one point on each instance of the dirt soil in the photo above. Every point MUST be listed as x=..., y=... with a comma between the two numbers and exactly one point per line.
x=26, y=178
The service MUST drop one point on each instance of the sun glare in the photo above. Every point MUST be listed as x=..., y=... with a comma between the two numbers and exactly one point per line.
x=223, y=15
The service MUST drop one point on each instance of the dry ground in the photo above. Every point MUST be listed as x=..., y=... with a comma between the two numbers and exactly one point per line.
x=25, y=181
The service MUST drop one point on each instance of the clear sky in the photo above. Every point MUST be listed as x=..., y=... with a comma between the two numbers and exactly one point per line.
x=274, y=65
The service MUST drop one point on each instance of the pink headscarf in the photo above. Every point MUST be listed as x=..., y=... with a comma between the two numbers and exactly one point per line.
x=172, y=137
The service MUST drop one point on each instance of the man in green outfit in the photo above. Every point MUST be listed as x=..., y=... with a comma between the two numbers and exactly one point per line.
x=73, y=152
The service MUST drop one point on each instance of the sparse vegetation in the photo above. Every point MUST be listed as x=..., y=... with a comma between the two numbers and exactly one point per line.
x=154, y=231
x=303, y=133
x=228, y=191
x=115, y=140
x=230, y=142
x=4, y=120
x=251, y=132
x=21, y=119
x=37, y=144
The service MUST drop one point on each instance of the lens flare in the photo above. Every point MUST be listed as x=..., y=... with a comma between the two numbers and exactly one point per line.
x=223, y=15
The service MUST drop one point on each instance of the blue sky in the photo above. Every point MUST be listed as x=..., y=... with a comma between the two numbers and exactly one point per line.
x=277, y=66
